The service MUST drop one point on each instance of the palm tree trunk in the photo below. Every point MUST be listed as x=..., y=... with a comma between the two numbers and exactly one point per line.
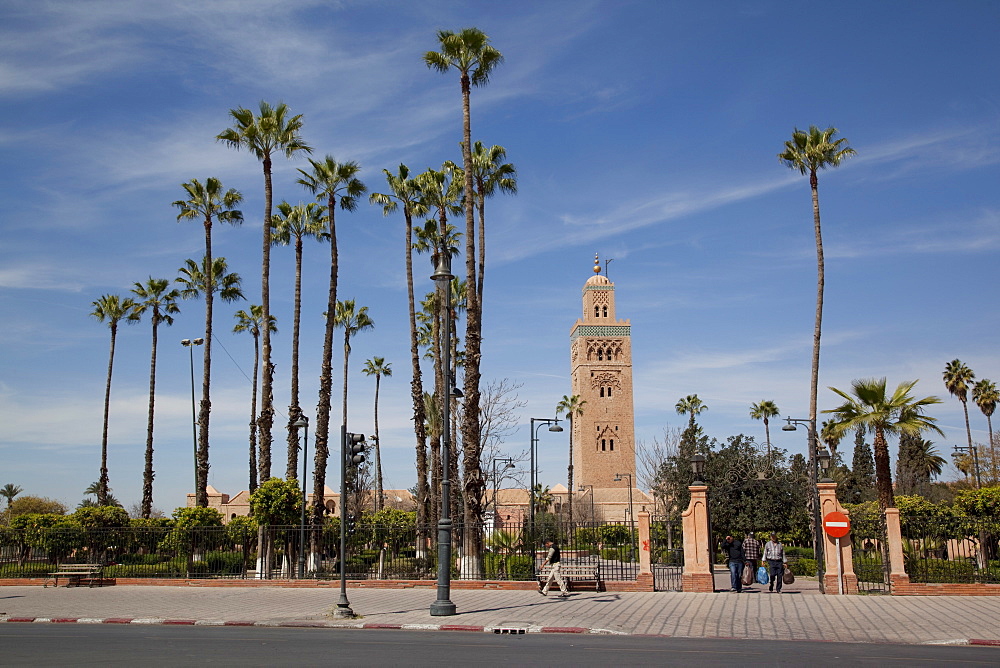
x=294, y=411
x=266, y=419
x=324, y=406
x=102, y=486
x=817, y=328
x=968, y=430
x=253, y=414
x=417, y=396
x=201, y=494
x=473, y=485
x=147, y=474
x=883, y=473
x=378, y=453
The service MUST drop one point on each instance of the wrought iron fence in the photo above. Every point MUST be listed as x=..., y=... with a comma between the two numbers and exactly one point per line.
x=505, y=551
x=951, y=549
x=666, y=553
x=870, y=551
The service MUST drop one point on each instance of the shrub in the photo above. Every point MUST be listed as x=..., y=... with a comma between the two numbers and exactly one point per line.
x=803, y=566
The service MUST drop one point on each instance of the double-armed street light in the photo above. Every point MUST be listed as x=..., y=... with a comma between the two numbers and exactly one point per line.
x=974, y=451
x=497, y=475
x=583, y=488
x=814, y=474
x=190, y=344
x=532, y=493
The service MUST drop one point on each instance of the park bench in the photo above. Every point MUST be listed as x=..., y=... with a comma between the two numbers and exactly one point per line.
x=75, y=574
x=576, y=572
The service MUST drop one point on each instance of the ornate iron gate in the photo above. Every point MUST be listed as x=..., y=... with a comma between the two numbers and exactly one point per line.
x=870, y=551
x=666, y=553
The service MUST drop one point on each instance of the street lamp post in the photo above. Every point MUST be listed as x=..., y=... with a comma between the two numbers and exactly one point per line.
x=814, y=475
x=554, y=426
x=190, y=344
x=631, y=510
x=593, y=514
x=443, y=606
x=303, y=423
x=496, y=479
x=974, y=451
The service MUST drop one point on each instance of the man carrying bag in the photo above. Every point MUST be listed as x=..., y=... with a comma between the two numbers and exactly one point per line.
x=774, y=555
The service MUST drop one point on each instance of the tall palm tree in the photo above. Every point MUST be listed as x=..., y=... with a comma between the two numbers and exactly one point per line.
x=377, y=367
x=489, y=174
x=765, y=409
x=691, y=406
x=197, y=281
x=111, y=309
x=985, y=394
x=162, y=306
x=295, y=223
x=470, y=52
x=877, y=413
x=9, y=492
x=809, y=152
x=252, y=322
x=271, y=131
x=572, y=406
x=331, y=182
x=352, y=320
x=957, y=378
x=927, y=461
x=404, y=191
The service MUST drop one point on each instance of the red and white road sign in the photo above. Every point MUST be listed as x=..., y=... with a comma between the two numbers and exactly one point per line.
x=836, y=524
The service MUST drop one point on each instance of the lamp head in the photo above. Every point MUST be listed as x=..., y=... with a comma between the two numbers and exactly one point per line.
x=788, y=427
x=185, y=342
x=555, y=427
x=303, y=421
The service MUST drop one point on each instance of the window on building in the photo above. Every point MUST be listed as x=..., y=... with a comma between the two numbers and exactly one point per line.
x=605, y=311
x=604, y=445
x=597, y=311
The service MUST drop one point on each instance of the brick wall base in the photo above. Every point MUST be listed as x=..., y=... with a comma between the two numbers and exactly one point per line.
x=901, y=586
x=698, y=582
x=830, y=583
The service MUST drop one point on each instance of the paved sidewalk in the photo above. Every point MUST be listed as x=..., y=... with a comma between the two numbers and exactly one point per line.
x=753, y=615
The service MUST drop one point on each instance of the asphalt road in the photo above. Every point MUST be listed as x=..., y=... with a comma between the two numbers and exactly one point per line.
x=103, y=645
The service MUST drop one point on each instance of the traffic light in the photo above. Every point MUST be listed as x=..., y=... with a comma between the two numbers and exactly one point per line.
x=350, y=525
x=355, y=449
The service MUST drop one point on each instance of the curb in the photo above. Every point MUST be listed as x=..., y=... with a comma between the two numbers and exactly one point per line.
x=322, y=624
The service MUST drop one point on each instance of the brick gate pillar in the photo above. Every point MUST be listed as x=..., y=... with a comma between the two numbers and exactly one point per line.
x=644, y=580
x=894, y=536
x=828, y=503
x=697, y=574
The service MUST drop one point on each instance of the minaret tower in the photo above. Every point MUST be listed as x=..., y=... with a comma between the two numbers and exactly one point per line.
x=601, y=362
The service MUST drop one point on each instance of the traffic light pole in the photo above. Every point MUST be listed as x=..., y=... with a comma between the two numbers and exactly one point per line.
x=343, y=608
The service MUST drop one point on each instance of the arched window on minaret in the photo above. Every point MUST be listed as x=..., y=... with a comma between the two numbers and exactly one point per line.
x=605, y=311
x=597, y=311
x=612, y=445
x=604, y=445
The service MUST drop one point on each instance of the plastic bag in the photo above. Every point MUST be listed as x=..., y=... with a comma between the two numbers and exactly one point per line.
x=747, y=574
x=762, y=576
x=788, y=578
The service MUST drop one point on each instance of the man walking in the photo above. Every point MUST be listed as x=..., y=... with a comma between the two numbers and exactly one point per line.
x=774, y=555
x=553, y=560
x=751, y=552
x=733, y=549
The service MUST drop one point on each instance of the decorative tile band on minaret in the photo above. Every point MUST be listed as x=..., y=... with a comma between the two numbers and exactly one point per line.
x=601, y=364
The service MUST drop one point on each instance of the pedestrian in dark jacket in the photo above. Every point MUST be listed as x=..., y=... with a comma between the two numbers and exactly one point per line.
x=733, y=549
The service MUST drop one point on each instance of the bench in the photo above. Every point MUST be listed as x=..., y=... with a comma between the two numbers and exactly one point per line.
x=575, y=572
x=74, y=573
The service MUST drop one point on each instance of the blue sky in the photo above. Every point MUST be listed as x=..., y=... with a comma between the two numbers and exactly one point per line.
x=644, y=131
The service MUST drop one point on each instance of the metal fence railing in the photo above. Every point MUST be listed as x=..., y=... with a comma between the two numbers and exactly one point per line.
x=508, y=551
x=951, y=549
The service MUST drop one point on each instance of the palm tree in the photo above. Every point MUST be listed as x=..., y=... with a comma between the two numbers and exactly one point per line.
x=252, y=322
x=571, y=406
x=9, y=492
x=404, y=191
x=543, y=497
x=296, y=222
x=94, y=489
x=352, y=320
x=378, y=368
x=162, y=305
x=329, y=181
x=872, y=410
x=985, y=394
x=765, y=409
x=469, y=52
x=927, y=461
x=197, y=281
x=691, y=406
x=809, y=152
x=111, y=309
x=489, y=174
x=957, y=378
x=830, y=437
x=263, y=135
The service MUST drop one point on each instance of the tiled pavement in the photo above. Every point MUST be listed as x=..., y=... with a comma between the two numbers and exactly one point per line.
x=752, y=615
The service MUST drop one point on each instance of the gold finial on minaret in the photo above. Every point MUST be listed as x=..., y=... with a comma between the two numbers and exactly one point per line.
x=597, y=264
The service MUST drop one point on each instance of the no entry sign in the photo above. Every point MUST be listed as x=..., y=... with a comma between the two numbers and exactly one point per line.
x=836, y=524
